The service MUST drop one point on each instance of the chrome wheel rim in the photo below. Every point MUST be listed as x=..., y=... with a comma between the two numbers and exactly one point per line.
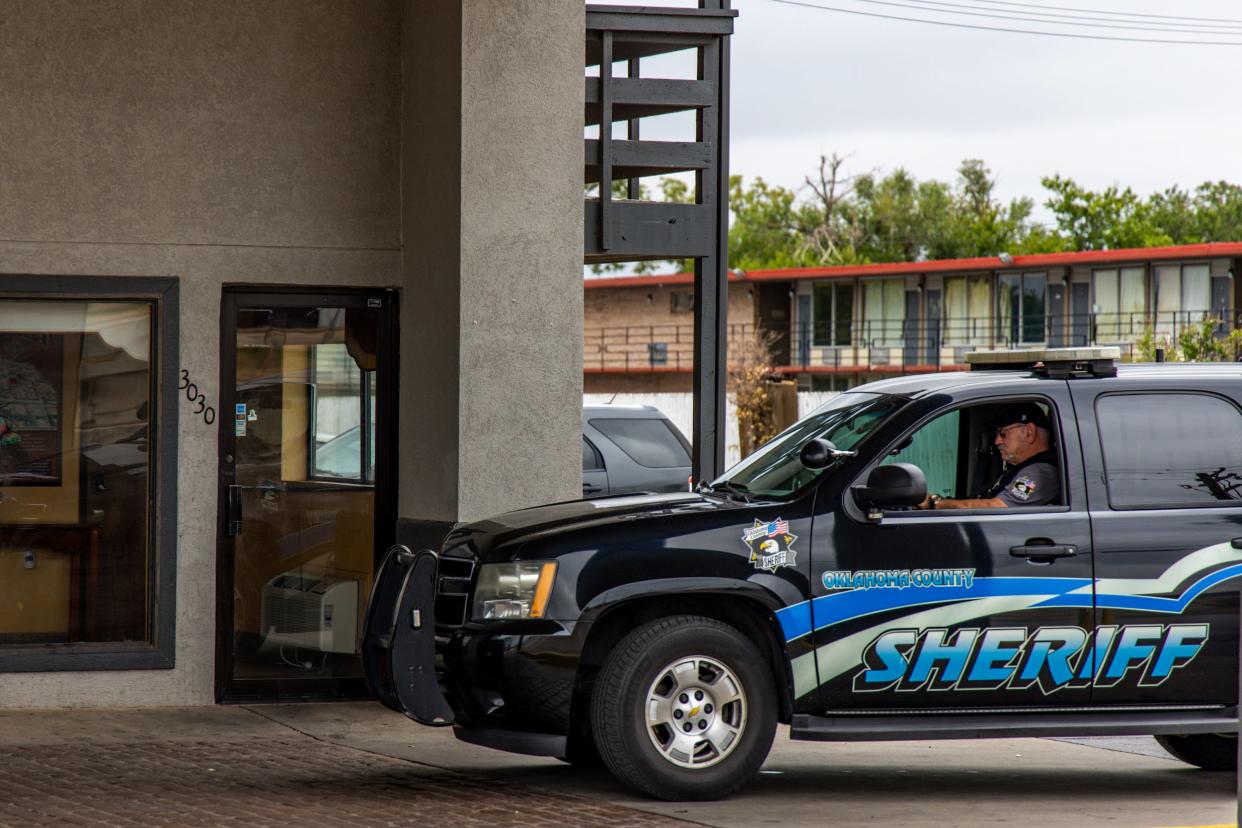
x=696, y=712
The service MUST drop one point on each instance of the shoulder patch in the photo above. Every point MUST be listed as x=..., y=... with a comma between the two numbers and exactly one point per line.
x=1022, y=487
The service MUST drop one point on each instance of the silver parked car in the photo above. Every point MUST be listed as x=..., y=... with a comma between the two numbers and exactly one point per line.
x=631, y=448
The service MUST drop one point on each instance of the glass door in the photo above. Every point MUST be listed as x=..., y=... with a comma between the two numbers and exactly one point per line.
x=306, y=496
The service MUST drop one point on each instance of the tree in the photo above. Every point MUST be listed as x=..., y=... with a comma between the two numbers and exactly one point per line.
x=838, y=218
x=1197, y=342
x=750, y=383
x=1107, y=220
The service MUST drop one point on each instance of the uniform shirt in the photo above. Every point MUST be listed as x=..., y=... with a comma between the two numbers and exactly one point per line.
x=1035, y=482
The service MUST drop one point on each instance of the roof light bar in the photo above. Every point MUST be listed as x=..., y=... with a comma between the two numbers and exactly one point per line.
x=1058, y=363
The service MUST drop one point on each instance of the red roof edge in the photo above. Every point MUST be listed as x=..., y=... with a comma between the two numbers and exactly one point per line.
x=649, y=281
x=988, y=263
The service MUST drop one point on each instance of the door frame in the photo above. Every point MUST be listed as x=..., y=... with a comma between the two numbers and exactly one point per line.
x=386, y=464
x=843, y=516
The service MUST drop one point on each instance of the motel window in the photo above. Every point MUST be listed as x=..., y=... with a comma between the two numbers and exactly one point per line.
x=884, y=307
x=1020, y=307
x=1183, y=295
x=833, y=314
x=967, y=300
x=1119, y=304
x=87, y=520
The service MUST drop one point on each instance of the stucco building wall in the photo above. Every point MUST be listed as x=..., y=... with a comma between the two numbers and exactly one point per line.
x=234, y=142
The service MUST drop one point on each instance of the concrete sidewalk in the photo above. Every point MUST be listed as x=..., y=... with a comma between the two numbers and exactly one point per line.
x=331, y=764
x=358, y=764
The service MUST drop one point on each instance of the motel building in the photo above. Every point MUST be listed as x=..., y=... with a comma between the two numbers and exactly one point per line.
x=832, y=328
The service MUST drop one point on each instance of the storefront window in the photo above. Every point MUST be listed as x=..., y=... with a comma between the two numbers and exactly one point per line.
x=77, y=411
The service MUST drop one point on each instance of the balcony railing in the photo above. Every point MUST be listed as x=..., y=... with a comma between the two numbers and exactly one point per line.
x=890, y=345
x=646, y=348
x=941, y=343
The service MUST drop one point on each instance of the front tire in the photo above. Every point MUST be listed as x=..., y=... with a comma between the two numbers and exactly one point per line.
x=1210, y=751
x=684, y=709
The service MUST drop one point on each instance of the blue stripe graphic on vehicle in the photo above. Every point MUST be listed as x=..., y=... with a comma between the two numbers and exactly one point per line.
x=803, y=618
x=1147, y=603
x=846, y=606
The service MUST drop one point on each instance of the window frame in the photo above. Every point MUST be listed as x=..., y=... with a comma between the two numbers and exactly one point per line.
x=662, y=422
x=1113, y=327
x=1154, y=507
x=366, y=435
x=973, y=328
x=1181, y=315
x=831, y=336
x=952, y=514
x=162, y=512
x=1004, y=327
x=596, y=456
x=892, y=329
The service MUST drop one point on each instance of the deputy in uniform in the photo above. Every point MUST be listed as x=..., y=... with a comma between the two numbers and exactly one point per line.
x=1031, y=477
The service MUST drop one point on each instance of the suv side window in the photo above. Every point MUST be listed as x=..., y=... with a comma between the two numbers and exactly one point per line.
x=591, y=460
x=1169, y=451
x=934, y=448
x=650, y=442
x=956, y=451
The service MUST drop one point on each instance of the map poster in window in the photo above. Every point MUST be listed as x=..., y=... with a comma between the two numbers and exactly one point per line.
x=31, y=405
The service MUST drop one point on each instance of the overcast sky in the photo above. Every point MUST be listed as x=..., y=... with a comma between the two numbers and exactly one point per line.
x=896, y=94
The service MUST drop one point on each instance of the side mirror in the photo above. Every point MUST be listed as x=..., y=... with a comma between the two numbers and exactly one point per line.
x=820, y=453
x=895, y=484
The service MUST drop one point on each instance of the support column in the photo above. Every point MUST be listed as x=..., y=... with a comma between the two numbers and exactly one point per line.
x=711, y=285
x=491, y=317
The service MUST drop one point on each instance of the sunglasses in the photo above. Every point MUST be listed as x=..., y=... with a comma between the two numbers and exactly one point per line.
x=1000, y=432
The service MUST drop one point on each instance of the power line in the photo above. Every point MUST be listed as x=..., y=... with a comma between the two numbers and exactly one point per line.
x=1105, y=11
x=975, y=27
x=1039, y=17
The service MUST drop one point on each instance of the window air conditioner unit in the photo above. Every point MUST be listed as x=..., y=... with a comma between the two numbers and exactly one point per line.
x=314, y=612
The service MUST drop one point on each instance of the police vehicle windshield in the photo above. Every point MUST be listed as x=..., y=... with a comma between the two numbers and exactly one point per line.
x=775, y=470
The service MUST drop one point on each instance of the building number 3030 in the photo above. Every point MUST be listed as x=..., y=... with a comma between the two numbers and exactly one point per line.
x=195, y=396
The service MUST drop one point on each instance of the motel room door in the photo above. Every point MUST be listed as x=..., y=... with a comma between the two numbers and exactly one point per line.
x=307, y=487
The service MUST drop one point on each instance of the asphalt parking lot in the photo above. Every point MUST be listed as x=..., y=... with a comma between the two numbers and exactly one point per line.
x=358, y=764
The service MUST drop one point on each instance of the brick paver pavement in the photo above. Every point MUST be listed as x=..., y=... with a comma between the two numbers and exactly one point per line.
x=272, y=782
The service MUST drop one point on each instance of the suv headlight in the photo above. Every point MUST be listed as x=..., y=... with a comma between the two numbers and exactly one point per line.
x=513, y=590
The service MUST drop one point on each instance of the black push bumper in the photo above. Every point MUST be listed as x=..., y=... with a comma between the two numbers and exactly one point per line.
x=399, y=646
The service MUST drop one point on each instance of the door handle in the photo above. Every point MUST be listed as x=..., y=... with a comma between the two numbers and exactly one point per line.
x=1040, y=550
x=589, y=489
x=233, y=512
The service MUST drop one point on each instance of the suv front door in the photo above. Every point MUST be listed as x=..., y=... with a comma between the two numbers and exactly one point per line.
x=944, y=609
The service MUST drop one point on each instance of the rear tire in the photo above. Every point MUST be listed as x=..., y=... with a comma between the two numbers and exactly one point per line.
x=684, y=709
x=1210, y=751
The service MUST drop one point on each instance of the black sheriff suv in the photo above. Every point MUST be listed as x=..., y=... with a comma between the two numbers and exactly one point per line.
x=889, y=567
